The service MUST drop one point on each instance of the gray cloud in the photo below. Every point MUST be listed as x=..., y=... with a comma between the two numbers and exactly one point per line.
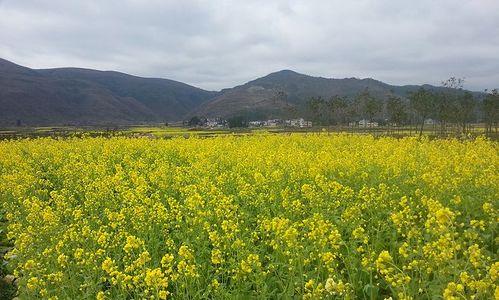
x=222, y=43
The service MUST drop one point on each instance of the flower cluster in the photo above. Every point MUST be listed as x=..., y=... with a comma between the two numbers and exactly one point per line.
x=260, y=216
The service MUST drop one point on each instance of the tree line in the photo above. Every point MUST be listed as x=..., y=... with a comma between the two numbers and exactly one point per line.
x=449, y=105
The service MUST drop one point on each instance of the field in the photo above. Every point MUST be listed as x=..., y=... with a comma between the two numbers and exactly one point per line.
x=162, y=131
x=259, y=216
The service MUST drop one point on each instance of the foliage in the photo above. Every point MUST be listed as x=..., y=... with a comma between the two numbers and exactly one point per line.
x=490, y=107
x=423, y=102
x=195, y=121
x=397, y=110
x=237, y=122
x=262, y=216
x=338, y=107
x=465, y=109
x=317, y=107
x=369, y=104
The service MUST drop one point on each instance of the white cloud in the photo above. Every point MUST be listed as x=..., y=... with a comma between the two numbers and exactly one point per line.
x=218, y=44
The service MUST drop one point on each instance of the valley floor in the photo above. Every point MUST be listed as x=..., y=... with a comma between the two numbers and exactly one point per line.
x=161, y=131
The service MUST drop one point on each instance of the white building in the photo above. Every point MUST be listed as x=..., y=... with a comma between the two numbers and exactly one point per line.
x=367, y=123
x=256, y=123
x=272, y=123
x=214, y=123
x=298, y=123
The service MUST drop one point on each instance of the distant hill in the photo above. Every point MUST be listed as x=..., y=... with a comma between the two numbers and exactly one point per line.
x=286, y=92
x=82, y=96
x=76, y=96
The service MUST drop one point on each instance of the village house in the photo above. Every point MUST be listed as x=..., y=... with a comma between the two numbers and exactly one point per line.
x=256, y=123
x=430, y=122
x=367, y=124
x=298, y=123
x=272, y=123
x=215, y=123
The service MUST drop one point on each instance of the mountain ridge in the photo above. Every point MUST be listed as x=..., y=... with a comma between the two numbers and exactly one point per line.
x=290, y=90
x=81, y=96
x=78, y=96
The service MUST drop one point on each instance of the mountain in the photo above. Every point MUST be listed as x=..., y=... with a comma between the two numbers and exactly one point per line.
x=286, y=92
x=88, y=97
x=83, y=96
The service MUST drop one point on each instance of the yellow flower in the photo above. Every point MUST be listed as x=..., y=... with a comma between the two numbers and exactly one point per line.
x=494, y=272
x=162, y=295
x=132, y=243
x=336, y=288
x=166, y=261
x=62, y=260
x=29, y=264
x=185, y=252
x=453, y=291
x=215, y=284
x=33, y=283
x=100, y=295
x=108, y=265
x=156, y=279
x=250, y=263
x=403, y=250
x=231, y=215
x=216, y=256
x=310, y=284
x=475, y=255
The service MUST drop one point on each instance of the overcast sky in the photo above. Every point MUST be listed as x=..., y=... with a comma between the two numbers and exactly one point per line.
x=216, y=44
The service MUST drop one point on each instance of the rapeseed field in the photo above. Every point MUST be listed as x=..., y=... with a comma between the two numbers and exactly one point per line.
x=312, y=216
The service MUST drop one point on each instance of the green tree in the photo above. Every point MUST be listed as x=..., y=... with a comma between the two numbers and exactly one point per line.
x=316, y=106
x=337, y=106
x=465, y=109
x=237, y=122
x=423, y=103
x=396, y=109
x=446, y=109
x=490, y=109
x=195, y=121
x=369, y=105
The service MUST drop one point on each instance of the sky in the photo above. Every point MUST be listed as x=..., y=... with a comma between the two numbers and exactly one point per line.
x=217, y=44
